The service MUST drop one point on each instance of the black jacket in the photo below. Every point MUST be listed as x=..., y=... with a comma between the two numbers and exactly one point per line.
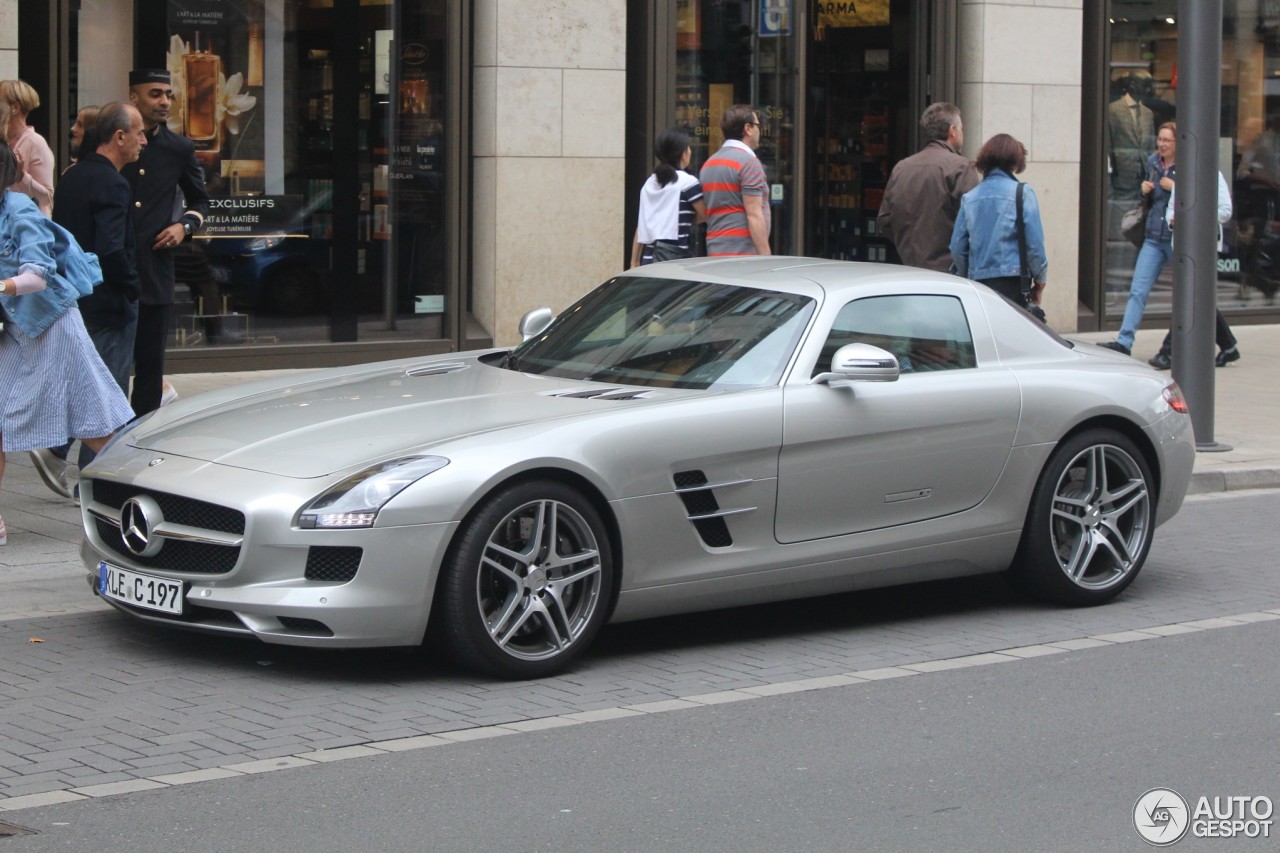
x=94, y=203
x=168, y=164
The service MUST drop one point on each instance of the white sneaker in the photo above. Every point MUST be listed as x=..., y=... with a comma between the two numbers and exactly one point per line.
x=4, y=533
x=169, y=394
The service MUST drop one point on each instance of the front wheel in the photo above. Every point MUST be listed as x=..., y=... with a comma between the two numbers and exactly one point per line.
x=527, y=585
x=1090, y=523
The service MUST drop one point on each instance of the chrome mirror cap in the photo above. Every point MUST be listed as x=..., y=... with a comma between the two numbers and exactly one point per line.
x=860, y=363
x=535, y=322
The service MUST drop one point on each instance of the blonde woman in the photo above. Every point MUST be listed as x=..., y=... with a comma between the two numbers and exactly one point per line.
x=35, y=158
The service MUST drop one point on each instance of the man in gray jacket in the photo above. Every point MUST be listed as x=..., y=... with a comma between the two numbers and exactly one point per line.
x=921, y=201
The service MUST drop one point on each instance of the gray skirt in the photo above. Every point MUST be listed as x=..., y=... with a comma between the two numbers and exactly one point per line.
x=54, y=387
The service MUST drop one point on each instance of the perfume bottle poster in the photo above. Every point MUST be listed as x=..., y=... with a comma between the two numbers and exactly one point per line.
x=215, y=62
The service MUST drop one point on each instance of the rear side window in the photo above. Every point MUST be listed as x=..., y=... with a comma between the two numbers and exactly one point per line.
x=924, y=332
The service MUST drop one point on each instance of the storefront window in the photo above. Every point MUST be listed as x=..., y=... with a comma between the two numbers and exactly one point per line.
x=269, y=90
x=741, y=52
x=1143, y=95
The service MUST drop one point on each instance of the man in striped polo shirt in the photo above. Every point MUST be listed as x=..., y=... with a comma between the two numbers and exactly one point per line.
x=735, y=190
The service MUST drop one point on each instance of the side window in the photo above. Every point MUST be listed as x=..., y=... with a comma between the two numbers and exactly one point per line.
x=923, y=332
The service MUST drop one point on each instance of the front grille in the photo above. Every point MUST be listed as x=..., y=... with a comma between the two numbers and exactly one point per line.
x=199, y=558
x=175, y=555
x=333, y=563
x=177, y=509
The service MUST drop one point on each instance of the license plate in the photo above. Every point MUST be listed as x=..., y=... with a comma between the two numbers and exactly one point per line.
x=146, y=591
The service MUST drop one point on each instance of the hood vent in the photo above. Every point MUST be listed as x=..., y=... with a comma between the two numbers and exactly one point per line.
x=436, y=369
x=604, y=394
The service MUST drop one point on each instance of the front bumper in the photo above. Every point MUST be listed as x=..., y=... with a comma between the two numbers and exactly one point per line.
x=262, y=580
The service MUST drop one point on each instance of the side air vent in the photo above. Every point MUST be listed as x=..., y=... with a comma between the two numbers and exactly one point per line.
x=436, y=369
x=604, y=394
x=704, y=509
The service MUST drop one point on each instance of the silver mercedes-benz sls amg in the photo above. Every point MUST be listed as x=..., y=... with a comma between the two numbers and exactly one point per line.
x=690, y=435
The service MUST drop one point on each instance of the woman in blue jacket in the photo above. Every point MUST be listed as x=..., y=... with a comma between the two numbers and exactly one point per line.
x=984, y=242
x=53, y=384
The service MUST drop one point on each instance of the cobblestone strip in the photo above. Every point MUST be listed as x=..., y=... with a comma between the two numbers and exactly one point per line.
x=703, y=700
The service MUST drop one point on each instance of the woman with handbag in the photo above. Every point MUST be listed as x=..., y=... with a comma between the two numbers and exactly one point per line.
x=1226, y=340
x=670, y=204
x=1157, y=244
x=53, y=384
x=998, y=239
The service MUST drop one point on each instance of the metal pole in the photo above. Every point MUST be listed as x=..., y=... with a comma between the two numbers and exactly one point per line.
x=1196, y=203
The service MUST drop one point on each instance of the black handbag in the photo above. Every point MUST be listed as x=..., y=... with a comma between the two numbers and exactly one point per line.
x=1024, y=269
x=1133, y=225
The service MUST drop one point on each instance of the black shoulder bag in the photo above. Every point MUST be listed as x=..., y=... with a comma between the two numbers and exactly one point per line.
x=1024, y=269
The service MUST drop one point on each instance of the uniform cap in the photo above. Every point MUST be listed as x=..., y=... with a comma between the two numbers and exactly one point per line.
x=138, y=76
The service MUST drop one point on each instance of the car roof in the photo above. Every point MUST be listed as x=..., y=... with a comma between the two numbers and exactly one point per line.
x=793, y=274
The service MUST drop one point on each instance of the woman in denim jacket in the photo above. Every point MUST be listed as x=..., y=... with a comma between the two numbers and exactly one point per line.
x=1157, y=246
x=984, y=242
x=53, y=384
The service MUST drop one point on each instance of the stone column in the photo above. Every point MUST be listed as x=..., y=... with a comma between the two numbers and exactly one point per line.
x=1019, y=69
x=8, y=39
x=548, y=146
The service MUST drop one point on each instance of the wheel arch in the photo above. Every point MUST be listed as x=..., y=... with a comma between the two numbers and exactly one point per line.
x=559, y=475
x=1129, y=430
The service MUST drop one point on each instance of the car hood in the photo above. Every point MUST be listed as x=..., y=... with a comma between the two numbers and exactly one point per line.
x=316, y=427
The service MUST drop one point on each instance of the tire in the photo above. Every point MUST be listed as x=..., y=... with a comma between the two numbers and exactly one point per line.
x=528, y=582
x=1090, y=523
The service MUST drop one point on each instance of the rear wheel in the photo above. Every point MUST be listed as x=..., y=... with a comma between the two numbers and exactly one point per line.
x=1090, y=523
x=527, y=586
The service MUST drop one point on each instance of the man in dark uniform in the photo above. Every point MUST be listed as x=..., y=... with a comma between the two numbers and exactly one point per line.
x=95, y=204
x=166, y=166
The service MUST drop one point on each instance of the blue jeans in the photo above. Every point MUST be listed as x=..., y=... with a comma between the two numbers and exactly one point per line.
x=1151, y=259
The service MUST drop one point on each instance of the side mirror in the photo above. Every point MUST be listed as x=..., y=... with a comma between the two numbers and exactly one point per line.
x=860, y=363
x=535, y=322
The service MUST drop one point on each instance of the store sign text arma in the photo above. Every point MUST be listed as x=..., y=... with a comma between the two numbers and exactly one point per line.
x=853, y=13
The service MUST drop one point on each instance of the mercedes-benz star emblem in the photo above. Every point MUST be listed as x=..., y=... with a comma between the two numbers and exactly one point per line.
x=138, y=520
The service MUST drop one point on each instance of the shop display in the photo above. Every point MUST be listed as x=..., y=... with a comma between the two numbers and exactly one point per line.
x=852, y=149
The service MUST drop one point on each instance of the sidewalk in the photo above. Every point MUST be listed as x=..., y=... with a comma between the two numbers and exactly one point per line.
x=1246, y=410
x=42, y=575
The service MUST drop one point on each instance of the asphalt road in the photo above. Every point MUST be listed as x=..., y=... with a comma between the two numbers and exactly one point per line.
x=1044, y=753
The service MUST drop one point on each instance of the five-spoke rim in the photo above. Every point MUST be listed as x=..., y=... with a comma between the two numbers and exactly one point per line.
x=1101, y=517
x=540, y=580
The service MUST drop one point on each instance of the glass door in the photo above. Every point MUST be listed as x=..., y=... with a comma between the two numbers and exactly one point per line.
x=860, y=118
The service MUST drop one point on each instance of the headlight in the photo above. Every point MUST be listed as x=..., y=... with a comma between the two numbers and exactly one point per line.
x=356, y=500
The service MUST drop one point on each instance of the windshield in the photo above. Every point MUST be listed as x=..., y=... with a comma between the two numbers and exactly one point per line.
x=670, y=334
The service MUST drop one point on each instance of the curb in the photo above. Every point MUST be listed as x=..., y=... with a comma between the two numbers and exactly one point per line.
x=1233, y=479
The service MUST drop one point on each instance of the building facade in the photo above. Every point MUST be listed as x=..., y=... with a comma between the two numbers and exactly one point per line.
x=394, y=177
